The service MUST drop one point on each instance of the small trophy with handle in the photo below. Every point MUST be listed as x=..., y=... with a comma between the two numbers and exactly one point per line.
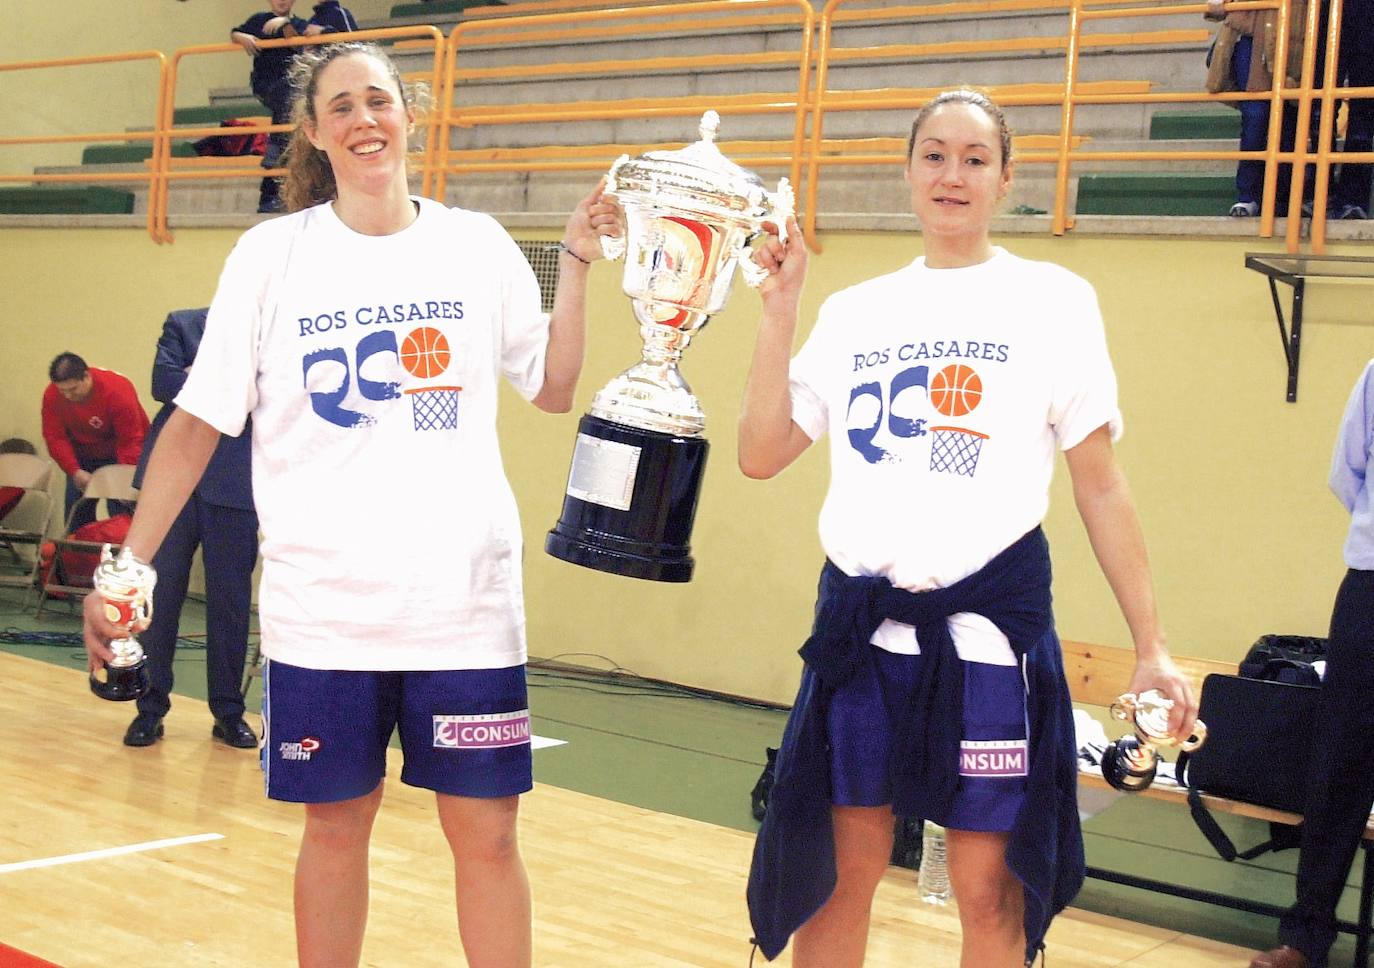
x=126, y=585
x=1129, y=764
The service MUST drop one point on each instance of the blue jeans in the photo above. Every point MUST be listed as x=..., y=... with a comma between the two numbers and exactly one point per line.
x=1254, y=133
x=277, y=99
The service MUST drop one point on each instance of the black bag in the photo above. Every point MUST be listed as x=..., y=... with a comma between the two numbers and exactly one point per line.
x=1284, y=658
x=1259, y=742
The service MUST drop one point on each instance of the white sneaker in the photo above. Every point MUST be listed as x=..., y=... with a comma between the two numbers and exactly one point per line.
x=1244, y=210
x=1352, y=211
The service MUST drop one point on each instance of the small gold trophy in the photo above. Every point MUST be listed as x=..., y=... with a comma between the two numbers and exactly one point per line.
x=126, y=585
x=1130, y=763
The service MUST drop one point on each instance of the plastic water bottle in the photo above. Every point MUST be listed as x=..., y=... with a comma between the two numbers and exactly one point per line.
x=933, y=878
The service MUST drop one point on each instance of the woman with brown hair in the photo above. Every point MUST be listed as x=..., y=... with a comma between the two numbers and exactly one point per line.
x=934, y=685
x=365, y=334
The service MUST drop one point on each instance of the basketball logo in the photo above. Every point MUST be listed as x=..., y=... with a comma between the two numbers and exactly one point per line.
x=955, y=390
x=425, y=353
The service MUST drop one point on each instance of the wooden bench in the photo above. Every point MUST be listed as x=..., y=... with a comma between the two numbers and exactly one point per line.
x=1097, y=674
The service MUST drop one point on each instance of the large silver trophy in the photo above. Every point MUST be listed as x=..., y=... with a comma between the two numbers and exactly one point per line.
x=126, y=585
x=1130, y=763
x=640, y=454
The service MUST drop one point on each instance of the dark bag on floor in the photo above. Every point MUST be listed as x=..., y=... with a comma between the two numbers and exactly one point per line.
x=1285, y=658
x=1259, y=742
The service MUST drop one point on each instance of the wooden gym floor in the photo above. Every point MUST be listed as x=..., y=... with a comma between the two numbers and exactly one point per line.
x=614, y=884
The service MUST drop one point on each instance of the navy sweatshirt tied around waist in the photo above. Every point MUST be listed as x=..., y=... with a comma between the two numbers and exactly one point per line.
x=793, y=871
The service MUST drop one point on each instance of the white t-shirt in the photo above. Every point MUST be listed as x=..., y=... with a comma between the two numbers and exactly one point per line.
x=946, y=393
x=369, y=364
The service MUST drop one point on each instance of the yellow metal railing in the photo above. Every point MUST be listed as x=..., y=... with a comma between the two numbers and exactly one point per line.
x=1304, y=94
x=807, y=151
x=164, y=169
x=631, y=22
x=154, y=56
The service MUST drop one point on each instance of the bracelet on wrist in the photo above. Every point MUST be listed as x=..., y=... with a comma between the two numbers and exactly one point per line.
x=563, y=247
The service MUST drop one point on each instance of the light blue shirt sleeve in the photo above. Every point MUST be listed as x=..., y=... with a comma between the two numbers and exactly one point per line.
x=1349, y=464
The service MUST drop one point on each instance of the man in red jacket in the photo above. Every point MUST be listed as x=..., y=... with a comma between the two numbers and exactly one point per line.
x=91, y=417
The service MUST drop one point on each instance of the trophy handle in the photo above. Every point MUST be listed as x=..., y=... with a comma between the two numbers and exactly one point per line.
x=783, y=205
x=754, y=274
x=1197, y=739
x=613, y=247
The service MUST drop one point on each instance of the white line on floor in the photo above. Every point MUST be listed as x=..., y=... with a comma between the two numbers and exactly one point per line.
x=107, y=852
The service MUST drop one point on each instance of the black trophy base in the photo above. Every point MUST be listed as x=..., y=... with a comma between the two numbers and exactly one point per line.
x=1123, y=765
x=122, y=683
x=631, y=501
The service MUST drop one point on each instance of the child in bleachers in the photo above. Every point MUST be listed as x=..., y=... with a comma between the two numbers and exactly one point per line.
x=329, y=17
x=269, y=82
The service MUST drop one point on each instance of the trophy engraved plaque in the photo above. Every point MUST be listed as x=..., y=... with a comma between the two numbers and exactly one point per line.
x=640, y=452
x=126, y=585
x=1129, y=764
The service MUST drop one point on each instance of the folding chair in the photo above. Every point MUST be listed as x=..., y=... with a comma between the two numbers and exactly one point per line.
x=27, y=520
x=113, y=482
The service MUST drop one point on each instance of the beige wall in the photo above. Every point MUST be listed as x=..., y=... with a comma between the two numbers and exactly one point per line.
x=1229, y=477
x=113, y=98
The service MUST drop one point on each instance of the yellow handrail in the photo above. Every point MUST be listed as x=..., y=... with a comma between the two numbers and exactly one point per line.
x=1321, y=158
x=624, y=21
x=162, y=156
x=151, y=177
x=807, y=150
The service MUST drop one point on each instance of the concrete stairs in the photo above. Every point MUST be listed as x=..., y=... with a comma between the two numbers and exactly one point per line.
x=517, y=76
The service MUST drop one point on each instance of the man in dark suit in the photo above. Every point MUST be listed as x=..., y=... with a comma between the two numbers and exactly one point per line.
x=219, y=517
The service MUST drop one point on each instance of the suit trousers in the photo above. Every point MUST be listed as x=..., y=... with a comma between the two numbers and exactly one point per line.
x=1340, y=785
x=228, y=539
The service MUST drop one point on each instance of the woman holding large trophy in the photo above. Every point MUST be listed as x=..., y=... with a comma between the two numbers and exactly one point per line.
x=365, y=335
x=934, y=684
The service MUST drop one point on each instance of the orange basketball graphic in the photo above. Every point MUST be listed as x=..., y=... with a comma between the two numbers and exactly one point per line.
x=956, y=390
x=424, y=352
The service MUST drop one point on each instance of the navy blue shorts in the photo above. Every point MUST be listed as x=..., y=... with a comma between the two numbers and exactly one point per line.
x=993, y=755
x=463, y=732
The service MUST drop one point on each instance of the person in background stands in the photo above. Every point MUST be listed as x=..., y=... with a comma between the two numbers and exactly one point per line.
x=91, y=417
x=1242, y=59
x=1340, y=784
x=219, y=517
x=270, y=83
x=329, y=17
x=1351, y=183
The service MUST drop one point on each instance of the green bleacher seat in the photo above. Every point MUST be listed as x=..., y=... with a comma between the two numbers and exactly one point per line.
x=440, y=6
x=133, y=153
x=65, y=200
x=215, y=113
x=1195, y=125
x=1164, y=193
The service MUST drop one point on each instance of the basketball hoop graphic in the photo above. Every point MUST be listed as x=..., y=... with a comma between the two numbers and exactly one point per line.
x=434, y=408
x=425, y=354
x=955, y=450
x=954, y=392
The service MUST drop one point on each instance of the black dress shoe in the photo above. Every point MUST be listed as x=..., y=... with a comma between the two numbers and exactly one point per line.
x=235, y=733
x=145, y=730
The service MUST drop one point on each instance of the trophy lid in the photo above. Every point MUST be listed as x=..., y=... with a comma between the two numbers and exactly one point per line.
x=698, y=173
